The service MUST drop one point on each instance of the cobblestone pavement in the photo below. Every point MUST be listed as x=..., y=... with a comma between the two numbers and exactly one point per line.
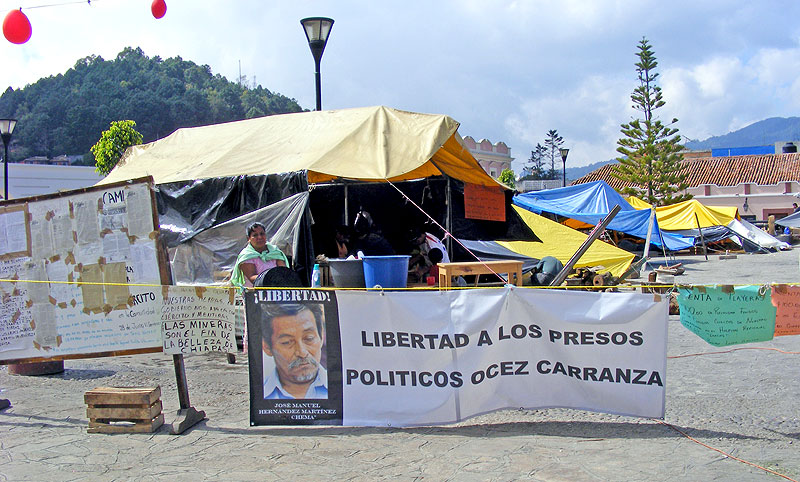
x=744, y=403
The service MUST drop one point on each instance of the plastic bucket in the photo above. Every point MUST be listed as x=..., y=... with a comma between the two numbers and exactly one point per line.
x=347, y=273
x=386, y=271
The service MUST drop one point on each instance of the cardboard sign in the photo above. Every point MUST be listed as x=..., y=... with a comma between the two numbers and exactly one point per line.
x=484, y=202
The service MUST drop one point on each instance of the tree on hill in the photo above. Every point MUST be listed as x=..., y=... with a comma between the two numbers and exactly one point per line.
x=651, y=159
x=112, y=144
x=65, y=113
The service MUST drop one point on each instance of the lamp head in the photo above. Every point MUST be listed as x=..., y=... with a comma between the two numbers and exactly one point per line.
x=7, y=128
x=317, y=31
x=564, y=152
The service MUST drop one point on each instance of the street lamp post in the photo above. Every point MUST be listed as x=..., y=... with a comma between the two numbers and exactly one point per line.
x=6, y=129
x=564, y=153
x=317, y=31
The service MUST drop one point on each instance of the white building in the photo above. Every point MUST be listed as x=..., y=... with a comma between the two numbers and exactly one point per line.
x=26, y=180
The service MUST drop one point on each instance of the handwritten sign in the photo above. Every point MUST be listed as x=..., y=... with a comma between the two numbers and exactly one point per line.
x=484, y=202
x=197, y=320
x=786, y=300
x=726, y=316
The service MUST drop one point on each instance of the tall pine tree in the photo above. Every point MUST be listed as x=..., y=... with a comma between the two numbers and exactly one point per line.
x=651, y=159
x=553, y=143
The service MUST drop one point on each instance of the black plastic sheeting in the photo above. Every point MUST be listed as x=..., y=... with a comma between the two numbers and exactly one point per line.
x=491, y=251
x=188, y=208
x=396, y=216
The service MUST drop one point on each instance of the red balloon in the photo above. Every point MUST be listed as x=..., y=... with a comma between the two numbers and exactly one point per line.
x=158, y=8
x=17, y=27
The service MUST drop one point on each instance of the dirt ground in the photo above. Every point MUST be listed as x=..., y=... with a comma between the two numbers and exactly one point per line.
x=743, y=402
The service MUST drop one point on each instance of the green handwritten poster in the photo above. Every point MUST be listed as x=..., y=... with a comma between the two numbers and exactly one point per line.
x=722, y=315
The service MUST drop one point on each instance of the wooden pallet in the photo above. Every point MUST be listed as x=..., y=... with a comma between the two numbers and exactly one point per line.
x=124, y=409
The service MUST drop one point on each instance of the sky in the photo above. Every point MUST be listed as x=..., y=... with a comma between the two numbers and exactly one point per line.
x=505, y=70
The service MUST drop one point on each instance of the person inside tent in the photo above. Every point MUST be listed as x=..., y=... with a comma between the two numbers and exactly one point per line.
x=366, y=239
x=421, y=262
x=257, y=257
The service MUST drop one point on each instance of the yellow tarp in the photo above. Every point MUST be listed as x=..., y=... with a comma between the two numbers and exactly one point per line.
x=638, y=203
x=562, y=242
x=369, y=143
x=682, y=215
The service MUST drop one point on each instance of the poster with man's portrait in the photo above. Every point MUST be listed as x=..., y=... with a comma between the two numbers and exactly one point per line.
x=295, y=357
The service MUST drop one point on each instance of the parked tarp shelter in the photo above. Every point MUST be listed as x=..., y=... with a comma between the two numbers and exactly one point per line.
x=213, y=174
x=590, y=203
x=717, y=223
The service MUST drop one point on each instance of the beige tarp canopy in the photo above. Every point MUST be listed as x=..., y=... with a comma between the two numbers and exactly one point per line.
x=369, y=143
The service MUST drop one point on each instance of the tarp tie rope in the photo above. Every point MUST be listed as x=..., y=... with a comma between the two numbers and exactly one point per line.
x=446, y=232
x=722, y=452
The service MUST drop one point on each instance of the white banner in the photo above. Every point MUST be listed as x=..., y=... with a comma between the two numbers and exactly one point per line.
x=428, y=358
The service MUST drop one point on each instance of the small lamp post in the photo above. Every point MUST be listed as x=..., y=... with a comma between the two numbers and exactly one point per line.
x=6, y=129
x=564, y=153
x=317, y=31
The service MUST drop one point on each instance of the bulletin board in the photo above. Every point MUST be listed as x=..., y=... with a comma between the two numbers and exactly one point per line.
x=76, y=271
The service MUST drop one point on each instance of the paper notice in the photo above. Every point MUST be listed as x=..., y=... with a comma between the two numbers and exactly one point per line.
x=113, y=216
x=35, y=271
x=118, y=292
x=13, y=232
x=786, y=300
x=144, y=263
x=88, y=253
x=723, y=316
x=116, y=247
x=139, y=212
x=58, y=274
x=41, y=239
x=92, y=293
x=44, y=322
x=86, y=223
x=61, y=227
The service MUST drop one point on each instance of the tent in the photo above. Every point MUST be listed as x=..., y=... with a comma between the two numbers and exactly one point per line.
x=216, y=174
x=558, y=241
x=590, y=203
x=369, y=143
x=562, y=242
x=717, y=223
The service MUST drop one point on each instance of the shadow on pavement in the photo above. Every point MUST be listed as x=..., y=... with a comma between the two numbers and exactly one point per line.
x=583, y=430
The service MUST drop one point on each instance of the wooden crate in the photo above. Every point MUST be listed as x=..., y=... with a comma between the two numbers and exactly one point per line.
x=124, y=409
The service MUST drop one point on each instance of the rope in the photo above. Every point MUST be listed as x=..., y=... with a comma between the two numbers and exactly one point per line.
x=446, y=232
x=736, y=349
x=89, y=2
x=726, y=454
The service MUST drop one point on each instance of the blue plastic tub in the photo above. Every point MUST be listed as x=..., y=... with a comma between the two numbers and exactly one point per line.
x=386, y=271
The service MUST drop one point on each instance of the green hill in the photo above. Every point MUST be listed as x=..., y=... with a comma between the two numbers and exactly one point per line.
x=66, y=113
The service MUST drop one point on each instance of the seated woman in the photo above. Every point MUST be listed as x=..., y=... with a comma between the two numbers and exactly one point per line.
x=258, y=256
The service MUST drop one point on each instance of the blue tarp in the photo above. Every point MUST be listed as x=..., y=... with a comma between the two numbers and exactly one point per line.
x=591, y=202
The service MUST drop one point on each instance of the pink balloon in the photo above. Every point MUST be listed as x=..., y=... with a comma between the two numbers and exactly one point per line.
x=17, y=27
x=158, y=8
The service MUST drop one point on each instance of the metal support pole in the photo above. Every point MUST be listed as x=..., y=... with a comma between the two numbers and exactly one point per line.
x=596, y=232
x=702, y=239
x=5, y=168
x=449, y=219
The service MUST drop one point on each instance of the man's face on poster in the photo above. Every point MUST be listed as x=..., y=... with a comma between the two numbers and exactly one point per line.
x=296, y=346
